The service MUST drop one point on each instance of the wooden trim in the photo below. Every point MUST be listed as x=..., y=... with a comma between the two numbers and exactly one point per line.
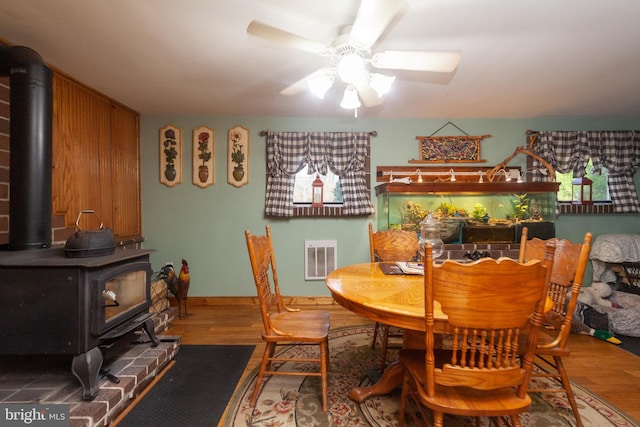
x=468, y=188
x=383, y=173
x=227, y=301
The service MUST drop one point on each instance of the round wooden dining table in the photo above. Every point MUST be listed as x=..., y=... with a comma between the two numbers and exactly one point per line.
x=393, y=299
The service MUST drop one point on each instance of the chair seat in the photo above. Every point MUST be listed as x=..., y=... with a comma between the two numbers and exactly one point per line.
x=312, y=325
x=462, y=400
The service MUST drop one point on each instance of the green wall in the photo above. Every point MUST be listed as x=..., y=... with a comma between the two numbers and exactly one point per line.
x=206, y=226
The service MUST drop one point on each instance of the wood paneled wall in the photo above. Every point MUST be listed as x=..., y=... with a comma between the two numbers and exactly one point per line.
x=96, y=161
x=81, y=152
x=125, y=172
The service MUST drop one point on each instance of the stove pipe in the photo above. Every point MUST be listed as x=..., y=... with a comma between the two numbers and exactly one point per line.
x=30, y=115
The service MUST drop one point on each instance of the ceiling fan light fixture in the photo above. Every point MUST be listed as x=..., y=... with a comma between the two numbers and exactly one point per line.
x=350, y=100
x=352, y=55
x=350, y=68
x=381, y=83
x=320, y=84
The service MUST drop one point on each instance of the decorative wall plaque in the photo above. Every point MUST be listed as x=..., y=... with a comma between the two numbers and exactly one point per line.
x=449, y=149
x=238, y=156
x=170, y=155
x=203, y=157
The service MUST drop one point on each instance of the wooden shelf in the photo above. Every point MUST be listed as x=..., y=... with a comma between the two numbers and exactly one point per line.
x=463, y=188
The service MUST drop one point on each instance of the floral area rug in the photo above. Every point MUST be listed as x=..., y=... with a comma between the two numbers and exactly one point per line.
x=287, y=401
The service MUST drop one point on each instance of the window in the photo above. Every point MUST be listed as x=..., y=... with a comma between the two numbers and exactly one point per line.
x=344, y=153
x=570, y=152
x=331, y=194
x=600, y=187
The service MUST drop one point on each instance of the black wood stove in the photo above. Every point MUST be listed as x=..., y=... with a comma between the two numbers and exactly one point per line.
x=51, y=304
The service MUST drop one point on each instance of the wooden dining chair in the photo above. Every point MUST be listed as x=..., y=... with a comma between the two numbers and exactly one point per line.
x=489, y=303
x=284, y=325
x=570, y=263
x=390, y=246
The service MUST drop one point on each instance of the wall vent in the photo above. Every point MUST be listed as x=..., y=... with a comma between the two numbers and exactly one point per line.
x=320, y=258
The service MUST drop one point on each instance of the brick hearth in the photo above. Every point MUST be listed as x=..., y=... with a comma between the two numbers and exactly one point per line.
x=48, y=379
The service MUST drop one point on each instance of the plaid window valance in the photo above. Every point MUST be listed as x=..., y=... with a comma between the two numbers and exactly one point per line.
x=617, y=151
x=344, y=153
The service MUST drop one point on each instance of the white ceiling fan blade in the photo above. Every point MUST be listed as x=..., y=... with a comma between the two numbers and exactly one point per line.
x=373, y=18
x=295, y=88
x=368, y=95
x=302, y=84
x=265, y=31
x=443, y=62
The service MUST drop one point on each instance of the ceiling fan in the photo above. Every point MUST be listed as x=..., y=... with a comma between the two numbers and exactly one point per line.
x=351, y=53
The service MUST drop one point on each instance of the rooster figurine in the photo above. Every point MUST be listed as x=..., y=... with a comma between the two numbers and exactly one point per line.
x=178, y=285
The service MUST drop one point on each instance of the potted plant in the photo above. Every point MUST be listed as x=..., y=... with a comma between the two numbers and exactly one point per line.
x=204, y=155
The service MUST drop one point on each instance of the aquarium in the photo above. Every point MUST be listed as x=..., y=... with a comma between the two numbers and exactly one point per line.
x=470, y=212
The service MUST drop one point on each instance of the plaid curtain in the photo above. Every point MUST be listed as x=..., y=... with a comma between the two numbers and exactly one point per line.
x=342, y=152
x=617, y=151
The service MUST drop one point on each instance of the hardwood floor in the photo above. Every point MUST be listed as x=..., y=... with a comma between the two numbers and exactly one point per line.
x=598, y=366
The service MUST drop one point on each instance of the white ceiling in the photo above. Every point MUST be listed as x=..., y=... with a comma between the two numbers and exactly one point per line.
x=520, y=58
